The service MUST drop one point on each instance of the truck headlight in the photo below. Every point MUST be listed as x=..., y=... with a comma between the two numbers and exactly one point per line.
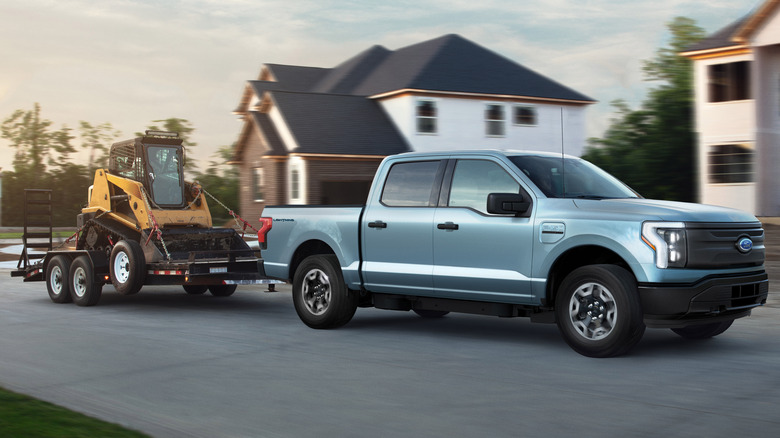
x=668, y=240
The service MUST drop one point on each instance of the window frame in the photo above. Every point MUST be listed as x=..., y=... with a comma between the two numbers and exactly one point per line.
x=747, y=175
x=533, y=109
x=418, y=117
x=258, y=184
x=495, y=122
x=729, y=82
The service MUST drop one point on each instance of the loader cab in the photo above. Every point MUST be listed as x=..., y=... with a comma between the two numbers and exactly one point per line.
x=156, y=160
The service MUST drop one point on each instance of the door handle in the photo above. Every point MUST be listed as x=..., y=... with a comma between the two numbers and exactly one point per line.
x=377, y=224
x=447, y=226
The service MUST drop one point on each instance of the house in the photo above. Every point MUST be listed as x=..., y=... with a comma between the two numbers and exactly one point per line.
x=737, y=106
x=316, y=135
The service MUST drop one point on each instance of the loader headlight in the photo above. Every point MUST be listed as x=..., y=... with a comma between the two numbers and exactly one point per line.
x=668, y=240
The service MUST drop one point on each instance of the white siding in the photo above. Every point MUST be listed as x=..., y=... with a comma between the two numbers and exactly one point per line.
x=461, y=125
x=722, y=123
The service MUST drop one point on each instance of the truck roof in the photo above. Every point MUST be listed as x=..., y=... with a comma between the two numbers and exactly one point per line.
x=489, y=152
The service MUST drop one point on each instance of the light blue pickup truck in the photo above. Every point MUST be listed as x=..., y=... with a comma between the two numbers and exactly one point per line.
x=544, y=236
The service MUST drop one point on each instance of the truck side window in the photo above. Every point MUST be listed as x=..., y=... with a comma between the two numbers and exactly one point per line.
x=474, y=180
x=410, y=184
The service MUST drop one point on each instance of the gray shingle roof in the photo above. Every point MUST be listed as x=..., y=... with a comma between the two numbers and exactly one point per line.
x=720, y=39
x=450, y=64
x=270, y=133
x=338, y=124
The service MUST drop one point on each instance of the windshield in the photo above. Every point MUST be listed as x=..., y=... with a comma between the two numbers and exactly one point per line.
x=559, y=177
x=164, y=175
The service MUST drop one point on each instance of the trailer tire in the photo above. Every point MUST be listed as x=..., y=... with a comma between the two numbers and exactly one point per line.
x=83, y=288
x=222, y=290
x=195, y=289
x=320, y=296
x=57, y=283
x=127, y=267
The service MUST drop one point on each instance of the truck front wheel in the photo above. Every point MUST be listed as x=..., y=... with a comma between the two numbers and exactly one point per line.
x=598, y=311
x=320, y=295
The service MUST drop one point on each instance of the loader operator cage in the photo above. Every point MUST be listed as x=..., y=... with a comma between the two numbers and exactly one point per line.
x=157, y=161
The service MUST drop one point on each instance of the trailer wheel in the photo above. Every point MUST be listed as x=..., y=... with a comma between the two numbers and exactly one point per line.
x=195, y=289
x=320, y=296
x=83, y=288
x=598, y=311
x=222, y=290
x=127, y=267
x=57, y=279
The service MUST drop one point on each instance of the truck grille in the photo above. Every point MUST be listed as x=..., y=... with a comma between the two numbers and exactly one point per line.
x=713, y=246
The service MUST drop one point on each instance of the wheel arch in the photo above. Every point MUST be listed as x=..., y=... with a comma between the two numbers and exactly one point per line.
x=577, y=257
x=306, y=249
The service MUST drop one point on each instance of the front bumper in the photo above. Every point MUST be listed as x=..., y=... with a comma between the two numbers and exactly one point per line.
x=713, y=299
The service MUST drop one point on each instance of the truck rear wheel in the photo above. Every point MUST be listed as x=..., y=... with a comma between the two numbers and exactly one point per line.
x=598, y=311
x=57, y=283
x=83, y=288
x=222, y=290
x=320, y=296
x=703, y=331
x=127, y=267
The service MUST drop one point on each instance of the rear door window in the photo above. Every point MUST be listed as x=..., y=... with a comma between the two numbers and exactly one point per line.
x=412, y=184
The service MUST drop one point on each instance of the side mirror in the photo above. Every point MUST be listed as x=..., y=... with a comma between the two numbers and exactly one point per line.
x=507, y=203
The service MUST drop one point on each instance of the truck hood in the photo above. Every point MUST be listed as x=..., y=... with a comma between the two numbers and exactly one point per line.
x=665, y=210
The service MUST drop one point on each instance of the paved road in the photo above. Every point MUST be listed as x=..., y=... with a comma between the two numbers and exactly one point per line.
x=174, y=365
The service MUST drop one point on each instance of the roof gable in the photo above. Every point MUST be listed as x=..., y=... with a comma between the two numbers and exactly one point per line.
x=338, y=124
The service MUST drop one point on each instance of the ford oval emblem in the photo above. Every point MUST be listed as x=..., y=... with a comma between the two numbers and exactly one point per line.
x=744, y=245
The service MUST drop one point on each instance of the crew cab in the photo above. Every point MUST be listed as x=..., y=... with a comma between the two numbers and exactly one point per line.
x=521, y=234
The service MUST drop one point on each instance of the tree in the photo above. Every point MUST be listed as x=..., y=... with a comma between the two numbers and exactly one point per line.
x=652, y=149
x=221, y=181
x=183, y=127
x=97, y=140
x=36, y=145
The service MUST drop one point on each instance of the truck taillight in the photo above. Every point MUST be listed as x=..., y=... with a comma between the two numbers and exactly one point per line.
x=266, y=223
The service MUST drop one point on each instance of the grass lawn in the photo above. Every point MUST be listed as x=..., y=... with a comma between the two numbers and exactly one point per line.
x=26, y=417
x=55, y=234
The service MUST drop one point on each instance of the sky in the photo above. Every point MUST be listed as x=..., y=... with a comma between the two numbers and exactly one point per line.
x=130, y=62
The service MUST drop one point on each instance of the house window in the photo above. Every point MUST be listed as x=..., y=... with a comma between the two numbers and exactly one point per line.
x=525, y=115
x=729, y=81
x=258, y=183
x=426, y=117
x=731, y=163
x=494, y=120
x=295, y=184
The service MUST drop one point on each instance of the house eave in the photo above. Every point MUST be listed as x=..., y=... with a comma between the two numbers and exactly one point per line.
x=717, y=52
x=484, y=96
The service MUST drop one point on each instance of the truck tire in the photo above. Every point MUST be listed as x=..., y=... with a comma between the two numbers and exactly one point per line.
x=703, y=331
x=83, y=288
x=222, y=290
x=127, y=267
x=57, y=283
x=598, y=311
x=195, y=289
x=320, y=296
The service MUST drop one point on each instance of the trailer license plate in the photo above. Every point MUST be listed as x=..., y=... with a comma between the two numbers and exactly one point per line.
x=218, y=270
